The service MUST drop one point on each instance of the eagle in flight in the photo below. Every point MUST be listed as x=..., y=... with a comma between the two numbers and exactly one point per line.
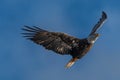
x=62, y=43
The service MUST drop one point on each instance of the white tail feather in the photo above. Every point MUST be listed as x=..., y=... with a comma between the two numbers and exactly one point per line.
x=71, y=62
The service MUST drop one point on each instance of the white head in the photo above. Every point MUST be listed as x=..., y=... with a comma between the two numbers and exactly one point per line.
x=92, y=38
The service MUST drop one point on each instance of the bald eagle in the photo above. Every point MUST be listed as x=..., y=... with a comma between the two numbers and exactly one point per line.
x=62, y=43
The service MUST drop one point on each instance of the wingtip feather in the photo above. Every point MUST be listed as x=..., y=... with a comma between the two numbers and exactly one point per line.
x=104, y=15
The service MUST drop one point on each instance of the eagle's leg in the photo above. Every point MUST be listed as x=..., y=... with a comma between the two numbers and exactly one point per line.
x=71, y=62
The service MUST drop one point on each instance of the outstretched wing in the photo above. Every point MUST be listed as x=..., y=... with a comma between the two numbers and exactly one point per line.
x=59, y=42
x=99, y=24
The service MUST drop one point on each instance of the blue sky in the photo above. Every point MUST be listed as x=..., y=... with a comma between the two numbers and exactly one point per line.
x=20, y=59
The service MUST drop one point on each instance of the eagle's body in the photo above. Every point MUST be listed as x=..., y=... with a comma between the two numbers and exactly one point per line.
x=62, y=43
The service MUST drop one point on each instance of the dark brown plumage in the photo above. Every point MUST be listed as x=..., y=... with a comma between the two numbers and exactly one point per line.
x=62, y=43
